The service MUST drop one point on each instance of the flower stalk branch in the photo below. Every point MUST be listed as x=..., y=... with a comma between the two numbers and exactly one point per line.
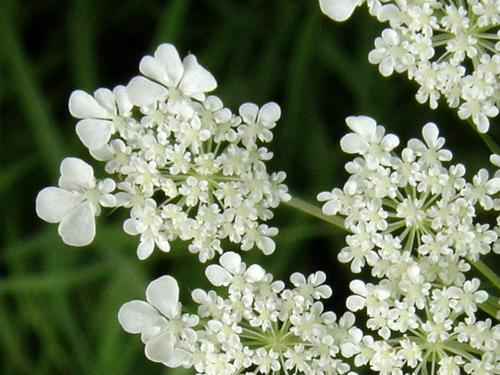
x=488, y=273
x=315, y=211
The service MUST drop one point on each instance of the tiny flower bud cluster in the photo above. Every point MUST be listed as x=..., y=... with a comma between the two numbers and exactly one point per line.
x=451, y=49
x=185, y=166
x=257, y=326
x=414, y=222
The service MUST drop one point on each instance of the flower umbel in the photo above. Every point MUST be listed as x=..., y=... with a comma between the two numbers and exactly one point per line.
x=185, y=165
x=256, y=326
x=451, y=49
x=415, y=222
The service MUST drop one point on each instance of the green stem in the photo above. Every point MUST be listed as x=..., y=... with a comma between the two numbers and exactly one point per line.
x=492, y=145
x=487, y=272
x=490, y=307
x=315, y=211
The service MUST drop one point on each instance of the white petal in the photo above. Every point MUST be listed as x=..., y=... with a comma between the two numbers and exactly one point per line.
x=53, y=203
x=266, y=244
x=386, y=67
x=231, y=262
x=162, y=243
x=199, y=296
x=76, y=175
x=94, y=134
x=122, y=100
x=163, y=293
x=358, y=287
x=387, y=12
x=138, y=316
x=495, y=160
x=169, y=58
x=349, y=349
x=217, y=275
x=129, y=226
x=363, y=125
x=249, y=112
x=107, y=185
x=196, y=79
x=269, y=113
x=152, y=68
x=492, y=186
x=78, y=227
x=102, y=154
x=431, y=134
x=107, y=200
x=338, y=10
x=106, y=99
x=354, y=144
x=331, y=208
x=355, y=303
x=389, y=142
x=324, y=291
x=145, y=248
x=298, y=279
x=255, y=273
x=482, y=122
x=143, y=92
x=83, y=105
x=324, y=196
x=160, y=349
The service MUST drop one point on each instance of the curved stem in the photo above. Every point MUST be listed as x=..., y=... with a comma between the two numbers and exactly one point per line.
x=315, y=211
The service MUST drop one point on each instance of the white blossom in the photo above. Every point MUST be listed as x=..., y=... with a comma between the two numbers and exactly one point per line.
x=416, y=223
x=163, y=328
x=185, y=166
x=450, y=49
x=253, y=325
x=76, y=202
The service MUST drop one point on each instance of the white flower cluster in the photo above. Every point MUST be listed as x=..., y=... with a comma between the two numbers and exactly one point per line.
x=451, y=49
x=424, y=328
x=185, y=165
x=414, y=222
x=256, y=327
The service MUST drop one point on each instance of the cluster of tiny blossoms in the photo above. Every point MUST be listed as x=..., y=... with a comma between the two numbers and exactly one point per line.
x=256, y=326
x=413, y=221
x=185, y=165
x=451, y=49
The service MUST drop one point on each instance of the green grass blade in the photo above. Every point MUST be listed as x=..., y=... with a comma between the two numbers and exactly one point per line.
x=49, y=282
x=82, y=33
x=29, y=95
x=171, y=22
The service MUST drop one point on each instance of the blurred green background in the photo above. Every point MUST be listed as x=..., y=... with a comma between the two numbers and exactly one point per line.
x=58, y=305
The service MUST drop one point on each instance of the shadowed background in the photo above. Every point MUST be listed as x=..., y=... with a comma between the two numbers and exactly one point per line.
x=58, y=304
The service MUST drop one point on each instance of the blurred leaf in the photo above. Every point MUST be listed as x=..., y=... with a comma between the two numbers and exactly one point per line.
x=13, y=173
x=52, y=281
x=29, y=95
x=83, y=29
x=11, y=341
x=171, y=22
x=300, y=69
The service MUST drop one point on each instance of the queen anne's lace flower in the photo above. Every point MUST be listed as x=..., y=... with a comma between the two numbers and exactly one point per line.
x=414, y=222
x=256, y=326
x=450, y=49
x=76, y=202
x=185, y=165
